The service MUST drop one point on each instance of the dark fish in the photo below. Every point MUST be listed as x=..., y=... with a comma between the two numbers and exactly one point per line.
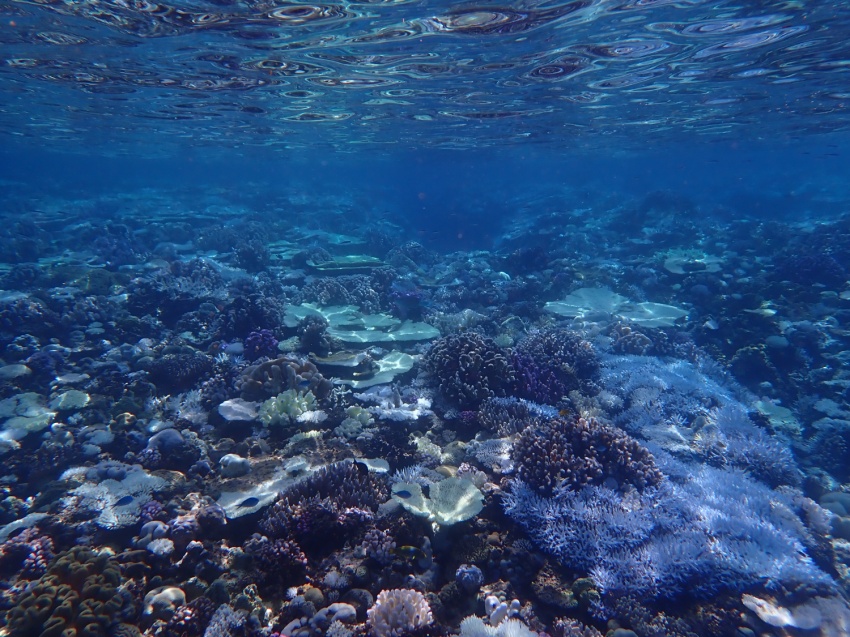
x=249, y=502
x=127, y=499
x=403, y=493
x=303, y=384
x=409, y=552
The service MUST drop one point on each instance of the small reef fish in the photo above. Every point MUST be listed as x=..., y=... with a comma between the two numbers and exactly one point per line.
x=410, y=553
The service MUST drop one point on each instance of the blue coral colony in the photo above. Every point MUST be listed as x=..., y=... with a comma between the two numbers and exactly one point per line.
x=288, y=407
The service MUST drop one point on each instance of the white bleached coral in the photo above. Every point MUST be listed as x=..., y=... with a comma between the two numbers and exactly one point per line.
x=290, y=406
x=804, y=617
x=398, y=612
x=474, y=626
x=387, y=403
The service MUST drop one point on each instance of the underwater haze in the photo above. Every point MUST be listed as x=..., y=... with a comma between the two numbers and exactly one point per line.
x=424, y=318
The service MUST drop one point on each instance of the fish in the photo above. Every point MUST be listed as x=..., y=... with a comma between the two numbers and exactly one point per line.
x=247, y=503
x=127, y=499
x=403, y=493
x=409, y=553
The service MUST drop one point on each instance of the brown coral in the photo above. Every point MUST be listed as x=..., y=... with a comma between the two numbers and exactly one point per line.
x=273, y=377
x=573, y=452
x=78, y=596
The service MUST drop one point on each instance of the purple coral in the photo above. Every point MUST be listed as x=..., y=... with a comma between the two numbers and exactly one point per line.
x=28, y=551
x=328, y=506
x=276, y=559
x=553, y=362
x=260, y=343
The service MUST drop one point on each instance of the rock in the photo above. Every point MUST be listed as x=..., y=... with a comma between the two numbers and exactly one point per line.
x=236, y=410
x=8, y=372
x=161, y=602
x=233, y=465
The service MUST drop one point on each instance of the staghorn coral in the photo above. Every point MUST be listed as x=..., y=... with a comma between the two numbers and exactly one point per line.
x=552, y=362
x=469, y=368
x=703, y=531
x=570, y=452
x=79, y=595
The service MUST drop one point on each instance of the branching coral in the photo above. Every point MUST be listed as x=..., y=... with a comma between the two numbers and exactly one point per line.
x=398, y=612
x=552, y=362
x=507, y=416
x=327, y=506
x=469, y=368
x=287, y=407
x=570, y=452
x=706, y=531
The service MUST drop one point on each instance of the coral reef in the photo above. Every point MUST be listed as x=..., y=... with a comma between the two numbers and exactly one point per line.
x=336, y=502
x=275, y=376
x=283, y=436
